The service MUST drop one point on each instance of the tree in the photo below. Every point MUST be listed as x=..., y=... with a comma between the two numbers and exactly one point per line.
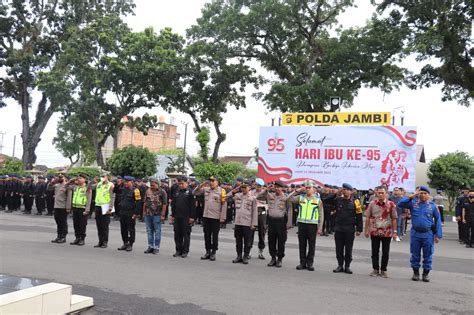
x=203, y=137
x=89, y=171
x=438, y=33
x=299, y=42
x=224, y=172
x=73, y=140
x=132, y=161
x=11, y=166
x=31, y=55
x=451, y=172
x=106, y=57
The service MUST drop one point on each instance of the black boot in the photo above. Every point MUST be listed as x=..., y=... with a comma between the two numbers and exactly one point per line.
x=213, y=255
x=348, y=270
x=278, y=263
x=123, y=247
x=425, y=276
x=177, y=254
x=61, y=240
x=310, y=267
x=129, y=247
x=237, y=259
x=75, y=242
x=207, y=255
x=272, y=262
x=245, y=260
x=55, y=240
x=104, y=245
x=338, y=269
x=98, y=245
x=416, y=275
x=149, y=251
x=301, y=266
x=260, y=254
x=81, y=242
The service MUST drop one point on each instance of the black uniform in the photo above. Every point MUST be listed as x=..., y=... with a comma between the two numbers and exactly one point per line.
x=461, y=226
x=28, y=191
x=469, y=226
x=50, y=197
x=130, y=201
x=183, y=208
x=2, y=193
x=328, y=201
x=17, y=191
x=9, y=195
x=40, y=196
x=118, y=192
x=348, y=219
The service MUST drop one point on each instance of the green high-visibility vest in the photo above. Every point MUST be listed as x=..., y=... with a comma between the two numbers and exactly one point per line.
x=102, y=194
x=79, y=198
x=308, y=210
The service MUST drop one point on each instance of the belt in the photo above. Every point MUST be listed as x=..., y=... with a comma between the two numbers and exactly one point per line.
x=421, y=230
x=276, y=219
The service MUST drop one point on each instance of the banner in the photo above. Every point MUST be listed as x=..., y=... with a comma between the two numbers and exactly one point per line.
x=363, y=156
x=336, y=118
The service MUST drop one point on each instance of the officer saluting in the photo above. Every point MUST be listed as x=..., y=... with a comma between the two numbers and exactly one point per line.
x=246, y=220
x=104, y=196
x=426, y=229
x=215, y=213
x=310, y=215
x=279, y=220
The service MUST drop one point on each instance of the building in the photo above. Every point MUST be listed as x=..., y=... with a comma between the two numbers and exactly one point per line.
x=164, y=136
x=250, y=162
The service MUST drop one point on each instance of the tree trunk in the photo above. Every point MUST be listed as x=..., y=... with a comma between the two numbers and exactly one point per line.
x=197, y=129
x=219, y=140
x=115, y=140
x=31, y=134
x=98, y=149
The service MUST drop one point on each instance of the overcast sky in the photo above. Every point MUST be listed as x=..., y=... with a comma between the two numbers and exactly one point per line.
x=442, y=126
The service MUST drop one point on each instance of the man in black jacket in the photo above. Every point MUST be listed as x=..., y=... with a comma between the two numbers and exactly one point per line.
x=40, y=195
x=28, y=191
x=348, y=219
x=183, y=208
x=130, y=209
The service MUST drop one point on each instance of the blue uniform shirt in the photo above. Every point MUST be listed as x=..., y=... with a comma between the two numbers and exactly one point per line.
x=423, y=215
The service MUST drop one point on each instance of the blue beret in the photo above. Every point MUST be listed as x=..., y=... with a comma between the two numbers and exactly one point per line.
x=129, y=178
x=425, y=189
x=260, y=182
x=40, y=177
x=239, y=179
x=347, y=186
x=292, y=186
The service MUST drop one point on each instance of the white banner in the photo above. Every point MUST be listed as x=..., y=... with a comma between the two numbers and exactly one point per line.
x=363, y=156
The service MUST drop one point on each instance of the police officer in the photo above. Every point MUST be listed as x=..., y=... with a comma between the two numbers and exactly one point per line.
x=28, y=191
x=246, y=219
x=348, y=219
x=279, y=220
x=426, y=229
x=130, y=207
x=60, y=212
x=8, y=193
x=80, y=208
x=17, y=192
x=327, y=198
x=40, y=195
x=458, y=211
x=3, y=185
x=310, y=214
x=183, y=214
x=215, y=213
x=262, y=217
x=104, y=203
x=118, y=186
x=468, y=218
x=50, y=195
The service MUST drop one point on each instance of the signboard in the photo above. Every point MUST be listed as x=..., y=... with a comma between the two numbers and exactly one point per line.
x=363, y=156
x=336, y=118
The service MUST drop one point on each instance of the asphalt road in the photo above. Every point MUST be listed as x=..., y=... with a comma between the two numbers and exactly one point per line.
x=135, y=283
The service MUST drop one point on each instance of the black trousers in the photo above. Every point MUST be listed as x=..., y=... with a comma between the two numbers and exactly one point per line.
x=10, y=202
x=50, y=204
x=307, y=238
x=376, y=240
x=17, y=201
x=127, y=228
x=470, y=231
x=102, y=221
x=332, y=222
x=79, y=221
x=327, y=222
x=3, y=201
x=462, y=231
x=211, y=233
x=243, y=238
x=262, y=230
x=40, y=203
x=199, y=213
x=60, y=216
x=344, y=242
x=277, y=237
x=28, y=202
x=441, y=212
x=182, y=234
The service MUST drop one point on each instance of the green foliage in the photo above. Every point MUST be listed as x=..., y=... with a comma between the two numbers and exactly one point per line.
x=52, y=172
x=203, y=137
x=170, y=151
x=89, y=171
x=299, y=42
x=248, y=174
x=11, y=166
x=133, y=161
x=439, y=34
x=450, y=172
x=224, y=172
x=176, y=165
